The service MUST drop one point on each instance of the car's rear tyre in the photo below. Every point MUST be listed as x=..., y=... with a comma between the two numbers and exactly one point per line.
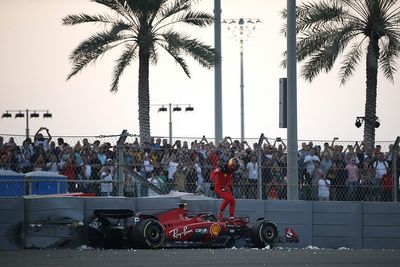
x=148, y=234
x=264, y=233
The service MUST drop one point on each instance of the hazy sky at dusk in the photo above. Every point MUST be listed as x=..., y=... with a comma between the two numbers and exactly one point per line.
x=34, y=65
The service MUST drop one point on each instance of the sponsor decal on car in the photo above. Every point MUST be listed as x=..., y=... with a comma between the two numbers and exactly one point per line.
x=201, y=230
x=95, y=224
x=176, y=234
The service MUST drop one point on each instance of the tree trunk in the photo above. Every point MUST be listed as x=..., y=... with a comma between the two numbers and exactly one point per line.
x=371, y=93
x=144, y=95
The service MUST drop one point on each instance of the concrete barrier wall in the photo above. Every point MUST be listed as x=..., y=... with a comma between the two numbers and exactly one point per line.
x=321, y=224
x=337, y=224
x=48, y=222
x=381, y=225
x=292, y=214
x=12, y=219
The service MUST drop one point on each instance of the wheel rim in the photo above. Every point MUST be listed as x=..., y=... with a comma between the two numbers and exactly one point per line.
x=268, y=233
x=154, y=234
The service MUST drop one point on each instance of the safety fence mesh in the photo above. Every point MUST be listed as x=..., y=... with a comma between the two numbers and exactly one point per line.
x=100, y=166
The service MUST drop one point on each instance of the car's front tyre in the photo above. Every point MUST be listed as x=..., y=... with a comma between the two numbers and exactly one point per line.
x=265, y=233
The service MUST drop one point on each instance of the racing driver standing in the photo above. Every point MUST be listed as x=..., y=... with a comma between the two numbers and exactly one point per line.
x=221, y=179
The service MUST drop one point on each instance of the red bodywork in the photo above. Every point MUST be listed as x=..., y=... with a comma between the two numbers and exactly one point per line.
x=179, y=227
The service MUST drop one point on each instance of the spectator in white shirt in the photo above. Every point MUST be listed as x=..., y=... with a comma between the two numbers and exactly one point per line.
x=252, y=175
x=309, y=161
x=323, y=189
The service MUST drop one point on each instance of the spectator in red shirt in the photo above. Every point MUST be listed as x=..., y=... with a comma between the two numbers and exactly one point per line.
x=68, y=169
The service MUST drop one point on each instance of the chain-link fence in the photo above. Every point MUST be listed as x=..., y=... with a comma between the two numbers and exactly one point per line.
x=117, y=165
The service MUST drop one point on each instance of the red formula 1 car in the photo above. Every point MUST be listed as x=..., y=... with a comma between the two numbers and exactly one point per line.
x=176, y=228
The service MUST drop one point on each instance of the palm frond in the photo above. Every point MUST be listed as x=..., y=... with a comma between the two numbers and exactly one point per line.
x=174, y=7
x=123, y=61
x=358, y=7
x=351, y=59
x=387, y=7
x=118, y=6
x=176, y=55
x=325, y=57
x=81, y=61
x=143, y=6
x=203, y=54
x=393, y=20
x=319, y=15
x=169, y=9
x=84, y=18
x=200, y=19
x=309, y=43
x=89, y=50
x=390, y=51
x=153, y=55
x=315, y=64
x=312, y=42
x=284, y=60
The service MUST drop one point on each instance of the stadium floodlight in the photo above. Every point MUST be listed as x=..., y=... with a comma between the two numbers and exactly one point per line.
x=6, y=115
x=19, y=115
x=162, y=109
x=47, y=115
x=34, y=115
x=177, y=108
x=27, y=113
x=189, y=108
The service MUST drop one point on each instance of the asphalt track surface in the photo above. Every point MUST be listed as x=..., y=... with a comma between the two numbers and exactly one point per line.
x=200, y=257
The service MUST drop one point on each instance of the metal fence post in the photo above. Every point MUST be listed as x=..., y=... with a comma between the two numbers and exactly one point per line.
x=121, y=161
x=395, y=177
x=259, y=159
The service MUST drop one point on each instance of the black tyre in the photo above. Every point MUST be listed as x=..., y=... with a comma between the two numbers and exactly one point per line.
x=264, y=233
x=148, y=234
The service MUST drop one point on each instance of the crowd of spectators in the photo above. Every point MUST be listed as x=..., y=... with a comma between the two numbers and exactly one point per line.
x=327, y=172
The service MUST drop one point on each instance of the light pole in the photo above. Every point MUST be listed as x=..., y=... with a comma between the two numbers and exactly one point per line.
x=217, y=72
x=241, y=28
x=28, y=114
x=292, y=163
x=176, y=108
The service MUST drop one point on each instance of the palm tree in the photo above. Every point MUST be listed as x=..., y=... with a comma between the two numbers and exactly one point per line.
x=142, y=27
x=330, y=28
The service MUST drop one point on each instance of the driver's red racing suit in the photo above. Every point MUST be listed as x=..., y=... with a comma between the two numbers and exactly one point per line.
x=223, y=187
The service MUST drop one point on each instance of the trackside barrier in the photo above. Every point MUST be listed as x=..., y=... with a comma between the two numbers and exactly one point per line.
x=60, y=222
x=53, y=222
x=12, y=219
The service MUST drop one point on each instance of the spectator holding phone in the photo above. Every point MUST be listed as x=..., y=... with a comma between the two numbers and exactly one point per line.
x=40, y=140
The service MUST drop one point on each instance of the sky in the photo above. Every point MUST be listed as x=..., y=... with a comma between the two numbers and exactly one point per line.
x=34, y=65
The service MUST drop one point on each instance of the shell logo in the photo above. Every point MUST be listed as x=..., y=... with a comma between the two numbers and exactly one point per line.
x=215, y=229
